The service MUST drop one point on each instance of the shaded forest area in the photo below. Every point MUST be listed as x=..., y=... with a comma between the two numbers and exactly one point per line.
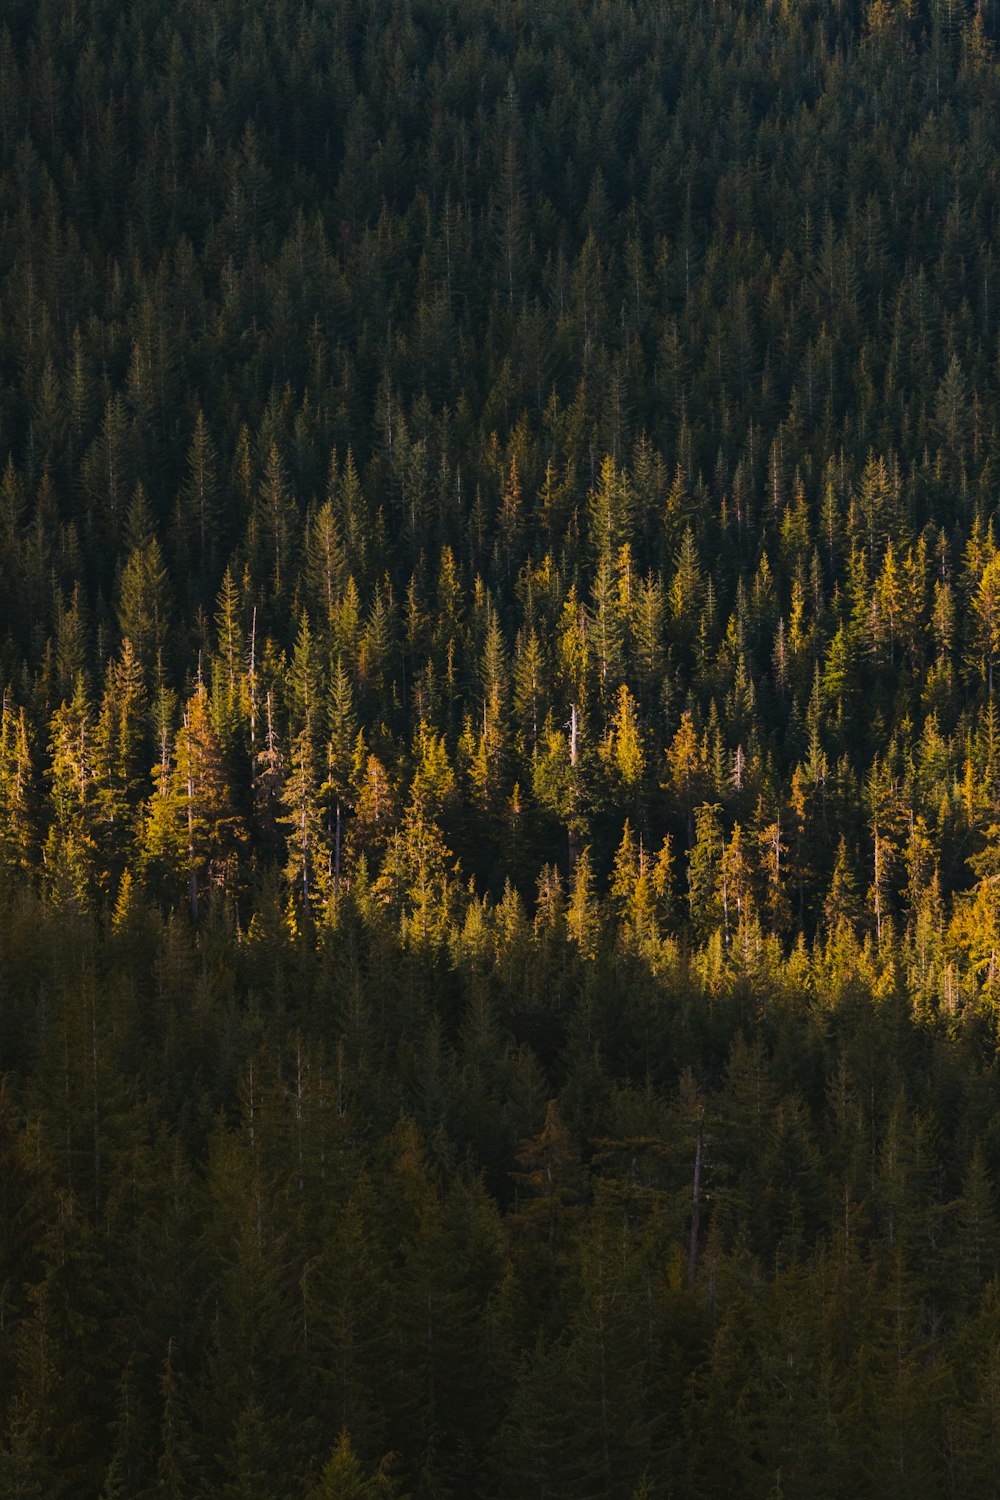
x=499, y=749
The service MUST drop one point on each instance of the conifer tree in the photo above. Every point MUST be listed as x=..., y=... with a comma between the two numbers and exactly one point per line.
x=17, y=834
x=198, y=517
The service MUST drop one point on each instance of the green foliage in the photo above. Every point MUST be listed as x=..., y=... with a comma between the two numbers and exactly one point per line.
x=499, y=603
x=343, y=1477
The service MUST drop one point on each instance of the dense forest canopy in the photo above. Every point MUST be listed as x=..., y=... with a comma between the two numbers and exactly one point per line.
x=499, y=749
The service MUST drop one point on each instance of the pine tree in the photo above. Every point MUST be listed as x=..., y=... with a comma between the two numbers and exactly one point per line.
x=611, y=507
x=191, y=823
x=198, y=517
x=417, y=881
x=120, y=754
x=344, y=1478
x=143, y=608
x=275, y=521
x=17, y=833
x=177, y=1467
x=550, y=1185
x=325, y=571
x=530, y=687
x=706, y=894
x=687, y=769
x=986, y=613
x=70, y=848
x=308, y=869
x=623, y=749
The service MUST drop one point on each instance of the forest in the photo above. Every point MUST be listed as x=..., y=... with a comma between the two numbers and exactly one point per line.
x=499, y=750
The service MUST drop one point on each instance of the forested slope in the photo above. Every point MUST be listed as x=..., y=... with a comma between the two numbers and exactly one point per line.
x=499, y=750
